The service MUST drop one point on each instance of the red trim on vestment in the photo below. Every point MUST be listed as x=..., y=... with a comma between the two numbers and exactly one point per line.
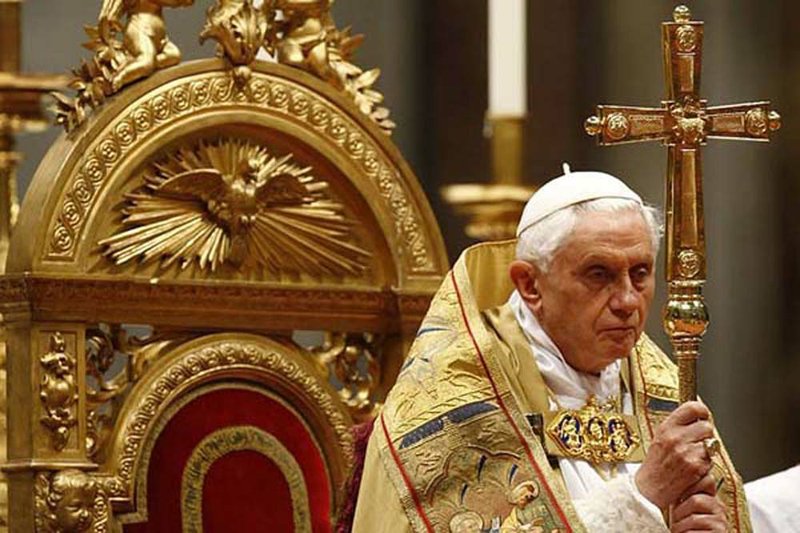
x=406, y=480
x=502, y=405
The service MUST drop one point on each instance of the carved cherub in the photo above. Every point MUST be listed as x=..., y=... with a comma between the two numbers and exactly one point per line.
x=305, y=42
x=306, y=37
x=145, y=44
x=66, y=503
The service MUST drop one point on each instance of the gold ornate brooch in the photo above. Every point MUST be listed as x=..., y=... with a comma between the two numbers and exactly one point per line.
x=595, y=433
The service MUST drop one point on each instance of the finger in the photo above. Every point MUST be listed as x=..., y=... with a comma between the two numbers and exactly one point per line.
x=697, y=431
x=698, y=504
x=698, y=522
x=690, y=412
x=706, y=485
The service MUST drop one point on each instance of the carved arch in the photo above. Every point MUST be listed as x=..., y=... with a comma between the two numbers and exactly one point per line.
x=279, y=367
x=83, y=176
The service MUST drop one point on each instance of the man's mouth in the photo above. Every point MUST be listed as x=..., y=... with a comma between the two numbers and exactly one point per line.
x=618, y=328
x=621, y=331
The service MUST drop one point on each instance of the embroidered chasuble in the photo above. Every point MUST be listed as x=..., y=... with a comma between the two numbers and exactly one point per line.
x=462, y=443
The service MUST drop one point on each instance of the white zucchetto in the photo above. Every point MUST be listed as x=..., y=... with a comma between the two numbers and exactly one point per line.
x=570, y=189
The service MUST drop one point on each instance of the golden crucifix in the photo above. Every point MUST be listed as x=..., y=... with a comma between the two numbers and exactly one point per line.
x=682, y=124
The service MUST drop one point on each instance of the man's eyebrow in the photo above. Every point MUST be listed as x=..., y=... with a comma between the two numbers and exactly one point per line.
x=595, y=257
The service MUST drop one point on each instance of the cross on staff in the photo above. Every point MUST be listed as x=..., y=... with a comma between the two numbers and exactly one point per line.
x=683, y=123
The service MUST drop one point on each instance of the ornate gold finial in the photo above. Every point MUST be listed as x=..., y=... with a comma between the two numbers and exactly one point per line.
x=774, y=121
x=593, y=125
x=123, y=53
x=240, y=30
x=354, y=360
x=681, y=14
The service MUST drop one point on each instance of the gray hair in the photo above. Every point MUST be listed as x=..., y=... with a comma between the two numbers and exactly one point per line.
x=539, y=243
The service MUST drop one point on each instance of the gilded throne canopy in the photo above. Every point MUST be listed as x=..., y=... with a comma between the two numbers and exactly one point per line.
x=193, y=220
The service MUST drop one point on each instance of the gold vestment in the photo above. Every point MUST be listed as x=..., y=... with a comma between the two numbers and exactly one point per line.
x=452, y=449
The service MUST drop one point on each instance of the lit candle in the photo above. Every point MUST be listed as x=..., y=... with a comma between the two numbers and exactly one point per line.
x=507, y=58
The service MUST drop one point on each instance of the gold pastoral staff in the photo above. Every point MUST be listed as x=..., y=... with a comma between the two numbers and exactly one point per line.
x=682, y=124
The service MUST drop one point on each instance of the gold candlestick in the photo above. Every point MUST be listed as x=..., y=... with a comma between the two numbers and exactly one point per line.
x=493, y=209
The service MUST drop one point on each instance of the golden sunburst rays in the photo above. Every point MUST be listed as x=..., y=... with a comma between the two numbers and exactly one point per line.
x=232, y=201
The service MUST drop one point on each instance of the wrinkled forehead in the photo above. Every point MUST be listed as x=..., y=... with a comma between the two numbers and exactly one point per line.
x=623, y=233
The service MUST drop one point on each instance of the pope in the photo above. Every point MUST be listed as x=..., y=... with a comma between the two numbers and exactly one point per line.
x=532, y=400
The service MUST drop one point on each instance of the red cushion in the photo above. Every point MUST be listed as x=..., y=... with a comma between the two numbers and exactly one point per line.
x=243, y=491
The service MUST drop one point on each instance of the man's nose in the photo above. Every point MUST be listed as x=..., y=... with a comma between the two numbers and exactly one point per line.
x=625, y=299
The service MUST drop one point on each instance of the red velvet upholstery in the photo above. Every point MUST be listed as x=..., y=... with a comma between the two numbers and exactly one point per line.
x=243, y=491
x=361, y=434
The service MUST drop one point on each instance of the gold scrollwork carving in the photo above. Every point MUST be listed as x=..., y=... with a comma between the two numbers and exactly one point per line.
x=233, y=439
x=353, y=361
x=233, y=201
x=70, y=501
x=58, y=391
x=210, y=90
x=105, y=345
x=123, y=53
x=130, y=42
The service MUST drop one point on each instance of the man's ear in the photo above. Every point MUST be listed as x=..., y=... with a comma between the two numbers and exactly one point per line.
x=526, y=278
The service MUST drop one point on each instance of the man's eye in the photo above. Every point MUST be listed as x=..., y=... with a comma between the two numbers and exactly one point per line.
x=640, y=274
x=598, y=274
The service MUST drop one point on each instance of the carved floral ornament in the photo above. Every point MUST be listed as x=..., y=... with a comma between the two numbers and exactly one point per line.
x=58, y=391
x=130, y=42
x=233, y=201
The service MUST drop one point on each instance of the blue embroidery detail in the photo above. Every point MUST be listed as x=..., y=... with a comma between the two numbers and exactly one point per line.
x=456, y=416
x=481, y=463
x=422, y=432
x=657, y=404
x=409, y=362
x=423, y=330
x=465, y=412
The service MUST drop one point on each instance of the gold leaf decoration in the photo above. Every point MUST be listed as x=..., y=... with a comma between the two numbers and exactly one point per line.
x=303, y=34
x=239, y=29
x=233, y=201
x=123, y=51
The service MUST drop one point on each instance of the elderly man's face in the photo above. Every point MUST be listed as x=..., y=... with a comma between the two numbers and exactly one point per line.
x=593, y=301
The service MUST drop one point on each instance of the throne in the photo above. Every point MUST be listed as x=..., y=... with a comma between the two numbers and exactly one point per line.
x=216, y=273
